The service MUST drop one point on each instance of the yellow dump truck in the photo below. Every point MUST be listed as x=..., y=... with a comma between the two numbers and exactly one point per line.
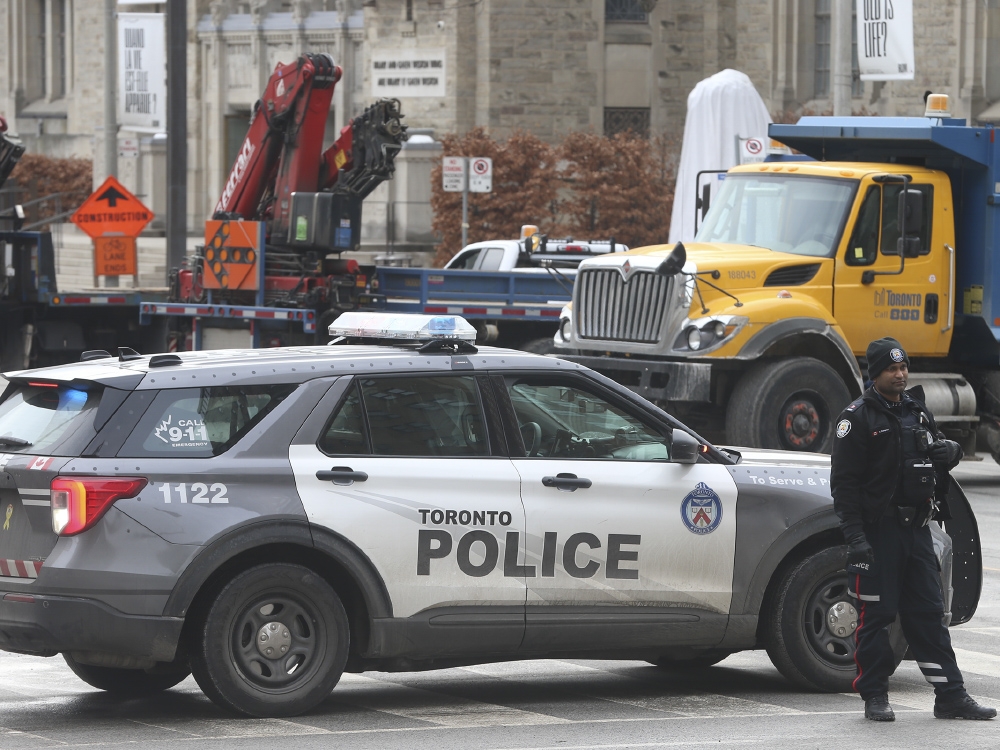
x=756, y=331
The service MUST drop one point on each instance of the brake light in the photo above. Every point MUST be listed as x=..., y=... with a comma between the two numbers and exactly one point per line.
x=79, y=502
x=38, y=384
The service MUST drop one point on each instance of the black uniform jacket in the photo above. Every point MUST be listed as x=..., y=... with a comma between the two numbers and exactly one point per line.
x=868, y=457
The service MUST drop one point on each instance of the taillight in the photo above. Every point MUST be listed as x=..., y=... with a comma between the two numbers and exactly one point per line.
x=78, y=502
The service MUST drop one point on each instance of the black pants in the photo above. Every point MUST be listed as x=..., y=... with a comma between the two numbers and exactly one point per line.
x=904, y=580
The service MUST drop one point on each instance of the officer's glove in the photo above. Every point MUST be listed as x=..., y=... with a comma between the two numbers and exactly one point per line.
x=859, y=552
x=947, y=452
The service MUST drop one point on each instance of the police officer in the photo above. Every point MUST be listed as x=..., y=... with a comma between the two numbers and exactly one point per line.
x=889, y=479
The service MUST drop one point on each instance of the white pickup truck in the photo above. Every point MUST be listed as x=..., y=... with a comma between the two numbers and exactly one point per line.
x=511, y=290
x=514, y=255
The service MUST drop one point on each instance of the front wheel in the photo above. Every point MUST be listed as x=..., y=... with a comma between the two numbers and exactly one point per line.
x=273, y=643
x=811, y=621
x=126, y=682
x=789, y=404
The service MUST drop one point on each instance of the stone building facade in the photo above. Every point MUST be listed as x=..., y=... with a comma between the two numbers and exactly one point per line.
x=550, y=67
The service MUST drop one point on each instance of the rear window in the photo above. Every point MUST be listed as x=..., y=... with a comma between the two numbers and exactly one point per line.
x=48, y=420
x=200, y=422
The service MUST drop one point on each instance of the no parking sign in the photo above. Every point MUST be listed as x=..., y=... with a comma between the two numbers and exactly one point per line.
x=481, y=174
x=751, y=150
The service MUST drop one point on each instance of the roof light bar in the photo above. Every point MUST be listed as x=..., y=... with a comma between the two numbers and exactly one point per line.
x=415, y=328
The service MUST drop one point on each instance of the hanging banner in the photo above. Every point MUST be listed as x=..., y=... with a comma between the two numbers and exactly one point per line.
x=885, y=40
x=142, y=72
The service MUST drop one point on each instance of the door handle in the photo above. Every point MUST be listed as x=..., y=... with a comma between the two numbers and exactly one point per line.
x=343, y=475
x=567, y=482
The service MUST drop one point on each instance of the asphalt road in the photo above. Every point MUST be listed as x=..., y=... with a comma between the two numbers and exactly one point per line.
x=537, y=705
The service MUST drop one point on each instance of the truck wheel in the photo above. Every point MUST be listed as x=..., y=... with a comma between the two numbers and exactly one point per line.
x=273, y=643
x=789, y=404
x=811, y=621
x=125, y=681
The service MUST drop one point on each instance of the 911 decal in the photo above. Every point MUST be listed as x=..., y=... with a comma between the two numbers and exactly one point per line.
x=199, y=493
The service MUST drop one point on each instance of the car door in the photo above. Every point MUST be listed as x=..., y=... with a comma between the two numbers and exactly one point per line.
x=622, y=542
x=403, y=467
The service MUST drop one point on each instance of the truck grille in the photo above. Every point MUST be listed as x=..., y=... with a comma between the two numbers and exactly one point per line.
x=609, y=308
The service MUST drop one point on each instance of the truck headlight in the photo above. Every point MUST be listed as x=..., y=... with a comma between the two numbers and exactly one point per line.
x=694, y=338
x=708, y=333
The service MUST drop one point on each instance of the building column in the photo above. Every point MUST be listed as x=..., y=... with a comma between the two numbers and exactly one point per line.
x=840, y=56
x=786, y=18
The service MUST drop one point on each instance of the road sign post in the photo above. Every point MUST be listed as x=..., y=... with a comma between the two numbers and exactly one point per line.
x=462, y=174
x=454, y=178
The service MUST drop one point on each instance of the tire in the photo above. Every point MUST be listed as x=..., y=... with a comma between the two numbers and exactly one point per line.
x=300, y=612
x=789, y=404
x=539, y=346
x=799, y=641
x=699, y=660
x=126, y=682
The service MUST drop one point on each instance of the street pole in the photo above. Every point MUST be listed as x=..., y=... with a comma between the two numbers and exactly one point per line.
x=110, y=87
x=110, y=100
x=841, y=68
x=176, y=133
x=465, y=201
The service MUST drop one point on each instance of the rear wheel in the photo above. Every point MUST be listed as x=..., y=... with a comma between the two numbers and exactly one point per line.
x=273, y=643
x=811, y=621
x=789, y=404
x=134, y=682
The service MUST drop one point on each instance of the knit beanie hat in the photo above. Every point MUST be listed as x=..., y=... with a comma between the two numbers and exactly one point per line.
x=882, y=353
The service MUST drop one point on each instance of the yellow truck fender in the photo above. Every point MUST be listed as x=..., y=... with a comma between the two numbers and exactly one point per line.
x=784, y=331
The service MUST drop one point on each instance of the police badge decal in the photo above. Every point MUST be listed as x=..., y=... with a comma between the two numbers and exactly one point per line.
x=701, y=510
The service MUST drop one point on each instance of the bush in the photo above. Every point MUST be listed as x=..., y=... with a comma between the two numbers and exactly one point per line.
x=524, y=190
x=37, y=177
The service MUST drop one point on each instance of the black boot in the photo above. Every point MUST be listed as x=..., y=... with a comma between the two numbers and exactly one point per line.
x=963, y=708
x=878, y=709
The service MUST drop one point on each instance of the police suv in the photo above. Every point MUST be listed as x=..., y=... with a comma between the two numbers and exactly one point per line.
x=268, y=519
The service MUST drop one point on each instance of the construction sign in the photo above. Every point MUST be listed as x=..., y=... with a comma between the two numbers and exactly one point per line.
x=232, y=249
x=115, y=256
x=112, y=210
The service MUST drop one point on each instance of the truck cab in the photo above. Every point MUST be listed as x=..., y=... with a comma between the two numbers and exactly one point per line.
x=757, y=329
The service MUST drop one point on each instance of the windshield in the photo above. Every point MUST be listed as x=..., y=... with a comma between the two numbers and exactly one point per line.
x=48, y=420
x=786, y=213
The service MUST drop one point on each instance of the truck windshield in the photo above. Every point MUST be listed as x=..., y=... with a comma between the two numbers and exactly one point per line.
x=48, y=420
x=787, y=213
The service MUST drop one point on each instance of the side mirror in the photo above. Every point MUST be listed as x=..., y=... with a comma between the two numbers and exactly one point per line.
x=705, y=201
x=684, y=449
x=674, y=262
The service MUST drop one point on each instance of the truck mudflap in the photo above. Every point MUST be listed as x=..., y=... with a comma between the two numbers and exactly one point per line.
x=967, y=561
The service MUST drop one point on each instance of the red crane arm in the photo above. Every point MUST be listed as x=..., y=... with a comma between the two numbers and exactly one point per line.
x=281, y=151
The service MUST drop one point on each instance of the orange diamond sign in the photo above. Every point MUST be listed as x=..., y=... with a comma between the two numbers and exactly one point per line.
x=112, y=210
